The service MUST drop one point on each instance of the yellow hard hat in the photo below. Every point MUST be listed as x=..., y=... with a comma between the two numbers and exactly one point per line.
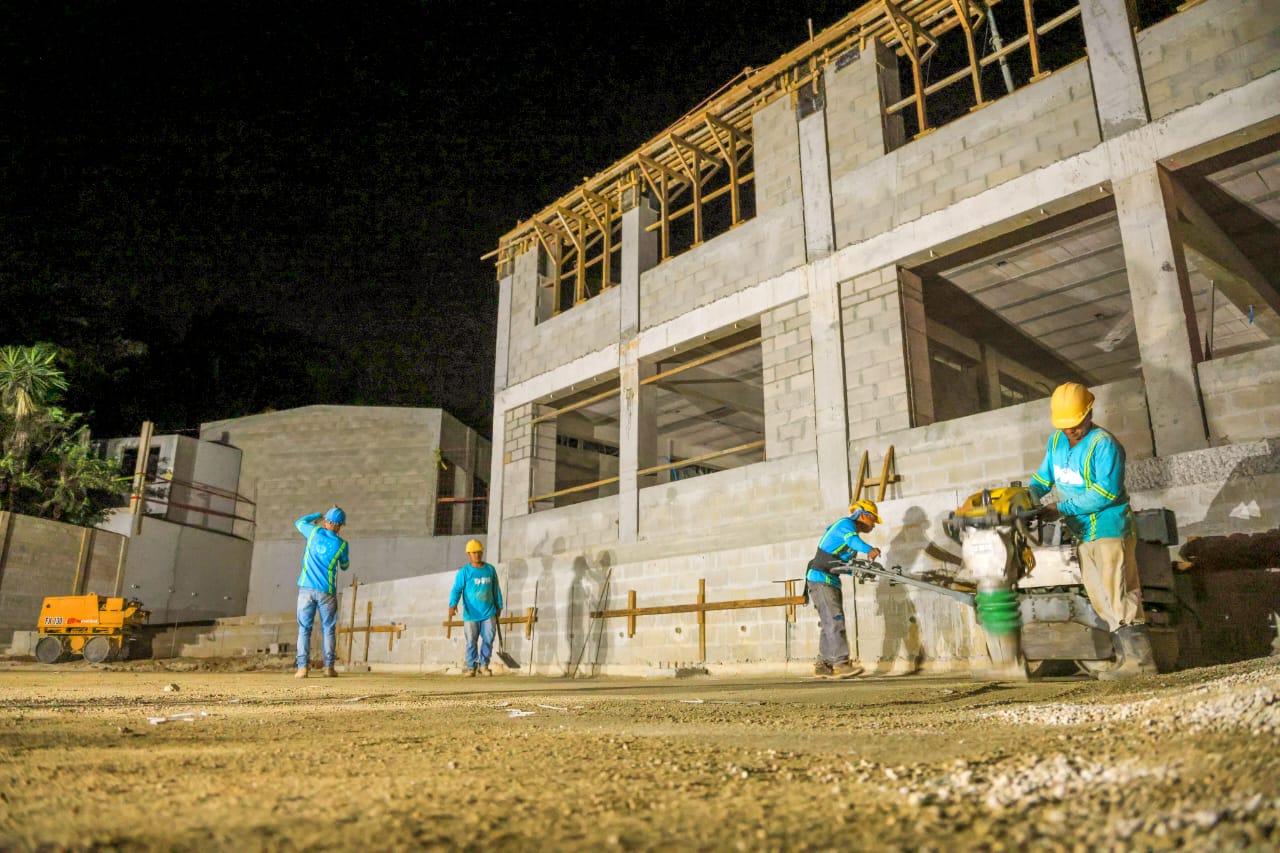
x=865, y=506
x=1070, y=404
x=474, y=546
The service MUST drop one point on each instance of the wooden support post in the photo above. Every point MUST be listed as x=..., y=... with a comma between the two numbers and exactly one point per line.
x=368, y=624
x=355, y=586
x=137, y=497
x=82, y=561
x=530, y=616
x=631, y=618
x=702, y=620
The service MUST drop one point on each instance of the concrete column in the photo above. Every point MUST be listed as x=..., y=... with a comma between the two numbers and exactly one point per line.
x=1118, y=93
x=463, y=487
x=503, y=344
x=639, y=253
x=1164, y=316
x=637, y=440
x=637, y=425
x=815, y=186
x=831, y=407
x=497, y=470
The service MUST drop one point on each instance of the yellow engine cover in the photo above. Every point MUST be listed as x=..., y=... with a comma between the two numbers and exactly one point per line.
x=1005, y=502
x=89, y=614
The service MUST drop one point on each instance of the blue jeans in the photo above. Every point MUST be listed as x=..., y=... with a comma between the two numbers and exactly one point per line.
x=308, y=601
x=484, y=629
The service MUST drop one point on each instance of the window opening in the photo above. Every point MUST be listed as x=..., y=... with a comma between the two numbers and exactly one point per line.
x=576, y=448
x=705, y=406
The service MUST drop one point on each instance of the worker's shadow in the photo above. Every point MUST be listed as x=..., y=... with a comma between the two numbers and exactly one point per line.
x=588, y=638
x=900, y=650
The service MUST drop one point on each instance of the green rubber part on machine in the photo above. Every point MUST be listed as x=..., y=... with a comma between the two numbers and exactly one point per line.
x=998, y=611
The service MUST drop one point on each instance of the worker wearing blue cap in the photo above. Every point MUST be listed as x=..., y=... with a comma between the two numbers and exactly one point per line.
x=325, y=554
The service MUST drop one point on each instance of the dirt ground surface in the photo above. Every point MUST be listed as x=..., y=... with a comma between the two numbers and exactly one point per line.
x=396, y=762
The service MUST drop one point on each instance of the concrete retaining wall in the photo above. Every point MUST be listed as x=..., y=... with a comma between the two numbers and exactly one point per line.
x=39, y=557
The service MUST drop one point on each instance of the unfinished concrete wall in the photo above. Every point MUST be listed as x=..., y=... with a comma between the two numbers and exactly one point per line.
x=757, y=250
x=1207, y=49
x=786, y=349
x=1242, y=396
x=855, y=123
x=39, y=557
x=378, y=463
x=997, y=447
x=776, y=155
x=577, y=528
x=183, y=573
x=1037, y=125
x=876, y=376
x=559, y=340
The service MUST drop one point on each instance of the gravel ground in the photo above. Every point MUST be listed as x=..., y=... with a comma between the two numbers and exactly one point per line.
x=237, y=755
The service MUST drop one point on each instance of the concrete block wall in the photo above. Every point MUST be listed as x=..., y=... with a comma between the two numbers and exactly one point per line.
x=1034, y=127
x=559, y=340
x=999, y=446
x=377, y=462
x=575, y=528
x=855, y=135
x=1242, y=396
x=1210, y=48
x=786, y=350
x=776, y=156
x=39, y=557
x=875, y=373
x=758, y=250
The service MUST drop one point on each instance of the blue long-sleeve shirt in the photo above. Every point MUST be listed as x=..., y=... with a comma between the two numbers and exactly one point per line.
x=326, y=553
x=477, y=588
x=1090, y=482
x=838, y=543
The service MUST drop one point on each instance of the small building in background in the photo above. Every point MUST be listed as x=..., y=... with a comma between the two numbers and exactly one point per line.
x=413, y=482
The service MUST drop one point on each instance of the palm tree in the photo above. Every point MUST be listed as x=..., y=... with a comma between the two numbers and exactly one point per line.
x=29, y=382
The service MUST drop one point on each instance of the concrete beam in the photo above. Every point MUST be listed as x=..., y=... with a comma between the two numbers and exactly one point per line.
x=830, y=388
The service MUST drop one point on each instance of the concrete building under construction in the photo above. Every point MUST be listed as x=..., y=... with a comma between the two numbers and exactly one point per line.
x=861, y=270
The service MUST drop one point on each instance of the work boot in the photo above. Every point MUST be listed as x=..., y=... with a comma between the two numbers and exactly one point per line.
x=1133, y=654
x=470, y=673
x=484, y=670
x=845, y=670
x=330, y=672
x=302, y=672
x=822, y=669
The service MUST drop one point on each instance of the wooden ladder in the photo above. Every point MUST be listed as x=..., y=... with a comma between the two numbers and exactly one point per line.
x=888, y=474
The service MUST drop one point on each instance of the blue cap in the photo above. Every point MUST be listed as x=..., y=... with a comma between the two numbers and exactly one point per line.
x=335, y=515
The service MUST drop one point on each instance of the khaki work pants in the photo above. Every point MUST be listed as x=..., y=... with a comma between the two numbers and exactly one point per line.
x=1109, y=568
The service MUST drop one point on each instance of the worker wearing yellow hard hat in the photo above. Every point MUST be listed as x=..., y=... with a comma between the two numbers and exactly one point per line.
x=1086, y=465
x=839, y=542
x=476, y=587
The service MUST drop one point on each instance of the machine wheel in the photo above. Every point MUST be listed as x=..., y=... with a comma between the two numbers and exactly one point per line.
x=1052, y=668
x=49, y=649
x=97, y=649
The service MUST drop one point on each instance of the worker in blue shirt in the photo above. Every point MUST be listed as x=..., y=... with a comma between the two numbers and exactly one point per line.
x=476, y=586
x=1085, y=464
x=841, y=541
x=326, y=553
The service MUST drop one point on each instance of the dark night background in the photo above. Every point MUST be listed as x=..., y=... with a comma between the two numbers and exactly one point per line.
x=224, y=208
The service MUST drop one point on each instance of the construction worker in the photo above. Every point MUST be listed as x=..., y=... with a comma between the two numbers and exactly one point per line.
x=476, y=585
x=1086, y=465
x=841, y=541
x=326, y=552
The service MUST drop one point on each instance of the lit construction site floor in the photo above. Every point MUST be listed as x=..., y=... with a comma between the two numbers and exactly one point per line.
x=256, y=760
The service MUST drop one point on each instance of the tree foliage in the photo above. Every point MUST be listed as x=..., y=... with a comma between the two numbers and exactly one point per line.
x=47, y=468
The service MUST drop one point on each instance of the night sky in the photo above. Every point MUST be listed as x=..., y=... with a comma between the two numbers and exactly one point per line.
x=225, y=208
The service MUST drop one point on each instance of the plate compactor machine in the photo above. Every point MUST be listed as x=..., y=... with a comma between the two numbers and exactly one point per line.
x=1020, y=570
x=97, y=627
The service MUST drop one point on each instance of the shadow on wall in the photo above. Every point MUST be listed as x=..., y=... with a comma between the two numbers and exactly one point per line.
x=900, y=649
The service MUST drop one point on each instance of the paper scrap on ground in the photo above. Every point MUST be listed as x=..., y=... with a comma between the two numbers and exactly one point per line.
x=553, y=707
x=516, y=712
x=186, y=717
